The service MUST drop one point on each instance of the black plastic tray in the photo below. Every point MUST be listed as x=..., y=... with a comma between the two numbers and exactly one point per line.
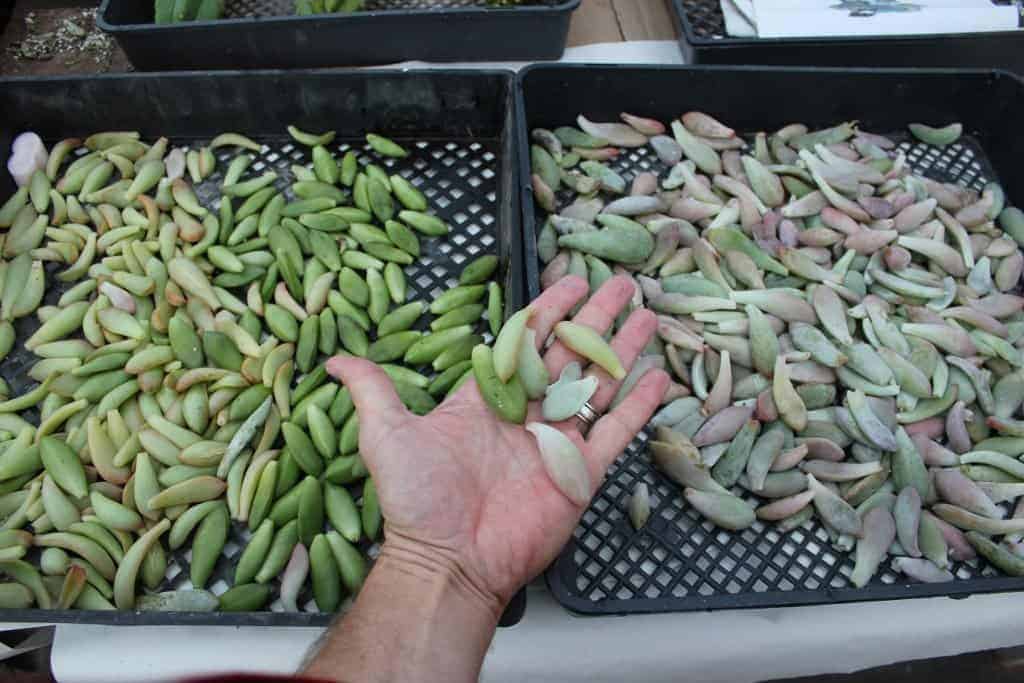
x=703, y=40
x=259, y=34
x=458, y=124
x=680, y=561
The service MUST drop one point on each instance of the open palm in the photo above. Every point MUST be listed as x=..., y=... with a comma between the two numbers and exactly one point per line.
x=462, y=483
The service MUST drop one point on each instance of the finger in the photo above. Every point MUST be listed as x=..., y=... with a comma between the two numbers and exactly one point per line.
x=466, y=392
x=534, y=413
x=554, y=304
x=599, y=313
x=613, y=432
x=570, y=427
x=628, y=344
x=373, y=393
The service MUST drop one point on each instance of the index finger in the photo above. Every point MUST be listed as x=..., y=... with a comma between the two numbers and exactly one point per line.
x=554, y=304
x=598, y=313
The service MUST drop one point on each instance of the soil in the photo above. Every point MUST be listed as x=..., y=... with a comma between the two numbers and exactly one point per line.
x=43, y=40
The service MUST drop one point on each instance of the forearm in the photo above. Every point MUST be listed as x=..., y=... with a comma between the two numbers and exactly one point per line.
x=417, y=618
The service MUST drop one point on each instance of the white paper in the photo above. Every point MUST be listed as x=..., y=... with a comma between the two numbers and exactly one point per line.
x=823, y=18
x=739, y=18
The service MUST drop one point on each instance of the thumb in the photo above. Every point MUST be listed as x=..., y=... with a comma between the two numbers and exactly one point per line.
x=373, y=393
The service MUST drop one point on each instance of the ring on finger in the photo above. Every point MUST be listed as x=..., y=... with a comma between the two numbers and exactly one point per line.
x=587, y=416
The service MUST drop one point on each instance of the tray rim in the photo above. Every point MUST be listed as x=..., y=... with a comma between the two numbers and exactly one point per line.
x=391, y=71
x=512, y=615
x=826, y=595
x=355, y=18
x=696, y=41
x=516, y=607
x=804, y=598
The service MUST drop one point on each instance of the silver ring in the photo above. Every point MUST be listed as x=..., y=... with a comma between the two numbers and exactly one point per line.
x=587, y=415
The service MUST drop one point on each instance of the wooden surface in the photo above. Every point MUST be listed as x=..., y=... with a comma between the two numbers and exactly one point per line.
x=613, y=21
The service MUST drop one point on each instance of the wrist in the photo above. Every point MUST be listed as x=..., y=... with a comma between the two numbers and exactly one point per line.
x=417, y=617
x=441, y=577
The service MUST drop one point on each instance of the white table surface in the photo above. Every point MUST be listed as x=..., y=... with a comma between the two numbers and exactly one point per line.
x=552, y=645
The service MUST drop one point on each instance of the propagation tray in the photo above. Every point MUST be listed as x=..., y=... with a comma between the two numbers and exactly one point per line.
x=679, y=561
x=259, y=34
x=457, y=125
x=703, y=40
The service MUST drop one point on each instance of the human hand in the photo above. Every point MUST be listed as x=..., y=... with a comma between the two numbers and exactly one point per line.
x=464, y=489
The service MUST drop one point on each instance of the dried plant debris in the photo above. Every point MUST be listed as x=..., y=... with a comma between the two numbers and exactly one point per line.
x=72, y=38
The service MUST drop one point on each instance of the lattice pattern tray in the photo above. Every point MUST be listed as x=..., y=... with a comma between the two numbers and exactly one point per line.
x=680, y=561
x=705, y=18
x=256, y=34
x=459, y=179
x=455, y=126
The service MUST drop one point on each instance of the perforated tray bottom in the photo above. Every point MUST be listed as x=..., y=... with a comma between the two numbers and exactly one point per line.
x=679, y=560
x=460, y=181
x=705, y=17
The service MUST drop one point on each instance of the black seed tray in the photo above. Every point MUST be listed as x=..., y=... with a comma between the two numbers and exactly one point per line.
x=679, y=561
x=456, y=124
x=260, y=34
x=703, y=40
